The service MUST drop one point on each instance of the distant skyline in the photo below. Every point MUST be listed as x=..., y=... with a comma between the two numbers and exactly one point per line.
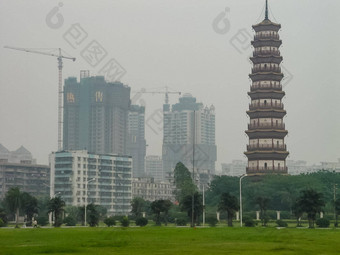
x=192, y=46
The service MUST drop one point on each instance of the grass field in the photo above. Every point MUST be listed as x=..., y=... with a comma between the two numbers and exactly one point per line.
x=169, y=240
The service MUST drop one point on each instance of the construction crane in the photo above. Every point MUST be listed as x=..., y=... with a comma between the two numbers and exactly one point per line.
x=166, y=92
x=59, y=57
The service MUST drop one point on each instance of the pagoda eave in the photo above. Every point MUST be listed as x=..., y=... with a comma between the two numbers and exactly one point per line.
x=266, y=42
x=266, y=94
x=266, y=155
x=266, y=133
x=264, y=58
x=265, y=76
x=266, y=113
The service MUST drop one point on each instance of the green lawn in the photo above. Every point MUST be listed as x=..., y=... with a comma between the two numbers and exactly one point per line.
x=169, y=240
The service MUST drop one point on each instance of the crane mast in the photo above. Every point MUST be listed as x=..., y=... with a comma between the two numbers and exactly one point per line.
x=59, y=57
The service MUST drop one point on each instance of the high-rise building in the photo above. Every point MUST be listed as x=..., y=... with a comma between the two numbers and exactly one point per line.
x=136, y=144
x=79, y=176
x=96, y=115
x=154, y=167
x=189, y=135
x=266, y=151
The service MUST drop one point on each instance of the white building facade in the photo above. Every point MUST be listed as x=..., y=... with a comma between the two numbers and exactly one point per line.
x=151, y=190
x=104, y=180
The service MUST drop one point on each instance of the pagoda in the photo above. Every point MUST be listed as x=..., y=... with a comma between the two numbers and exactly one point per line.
x=266, y=151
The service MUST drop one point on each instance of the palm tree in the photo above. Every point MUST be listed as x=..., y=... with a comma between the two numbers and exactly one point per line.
x=263, y=204
x=13, y=201
x=229, y=204
x=56, y=205
x=311, y=202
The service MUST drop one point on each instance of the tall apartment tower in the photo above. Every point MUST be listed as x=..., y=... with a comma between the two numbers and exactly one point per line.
x=96, y=115
x=189, y=135
x=136, y=144
x=266, y=151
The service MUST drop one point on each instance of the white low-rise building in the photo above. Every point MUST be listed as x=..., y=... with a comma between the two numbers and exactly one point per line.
x=151, y=190
x=104, y=180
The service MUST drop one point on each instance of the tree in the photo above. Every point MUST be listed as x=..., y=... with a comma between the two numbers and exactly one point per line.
x=229, y=204
x=137, y=206
x=311, y=202
x=56, y=206
x=3, y=216
x=184, y=183
x=29, y=206
x=93, y=214
x=298, y=212
x=337, y=211
x=110, y=221
x=186, y=205
x=13, y=201
x=157, y=208
x=166, y=207
x=263, y=204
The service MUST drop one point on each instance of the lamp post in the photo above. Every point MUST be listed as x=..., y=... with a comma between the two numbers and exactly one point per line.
x=241, y=177
x=91, y=180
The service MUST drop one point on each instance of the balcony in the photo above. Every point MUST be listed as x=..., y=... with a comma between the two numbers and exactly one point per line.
x=264, y=170
x=266, y=126
x=266, y=52
x=267, y=37
x=254, y=106
x=266, y=69
x=265, y=86
x=267, y=147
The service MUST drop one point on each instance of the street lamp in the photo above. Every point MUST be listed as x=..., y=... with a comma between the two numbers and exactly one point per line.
x=241, y=177
x=86, y=196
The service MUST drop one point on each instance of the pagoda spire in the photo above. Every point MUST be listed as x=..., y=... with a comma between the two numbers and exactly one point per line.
x=266, y=15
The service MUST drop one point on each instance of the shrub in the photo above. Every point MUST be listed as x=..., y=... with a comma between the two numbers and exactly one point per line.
x=70, y=221
x=2, y=223
x=322, y=223
x=125, y=221
x=212, y=221
x=141, y=221
x=181, y=222
x=110, y=221
x=281, y=223
x=42, y=220
x=249, y=222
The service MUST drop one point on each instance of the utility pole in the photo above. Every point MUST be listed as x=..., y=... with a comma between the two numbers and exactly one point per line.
x=193, y=172
x=334, y=194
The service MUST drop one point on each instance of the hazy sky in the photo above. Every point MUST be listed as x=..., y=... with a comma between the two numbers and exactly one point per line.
x=175, y=43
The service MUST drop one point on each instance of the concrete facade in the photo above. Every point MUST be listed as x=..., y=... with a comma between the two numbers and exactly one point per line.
x=103, y=179
x=96, y=115
x=136, y=145
x=181, y=122
x=151, y=190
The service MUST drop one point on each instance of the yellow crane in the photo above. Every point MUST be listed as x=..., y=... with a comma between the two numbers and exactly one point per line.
x=59, y=57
